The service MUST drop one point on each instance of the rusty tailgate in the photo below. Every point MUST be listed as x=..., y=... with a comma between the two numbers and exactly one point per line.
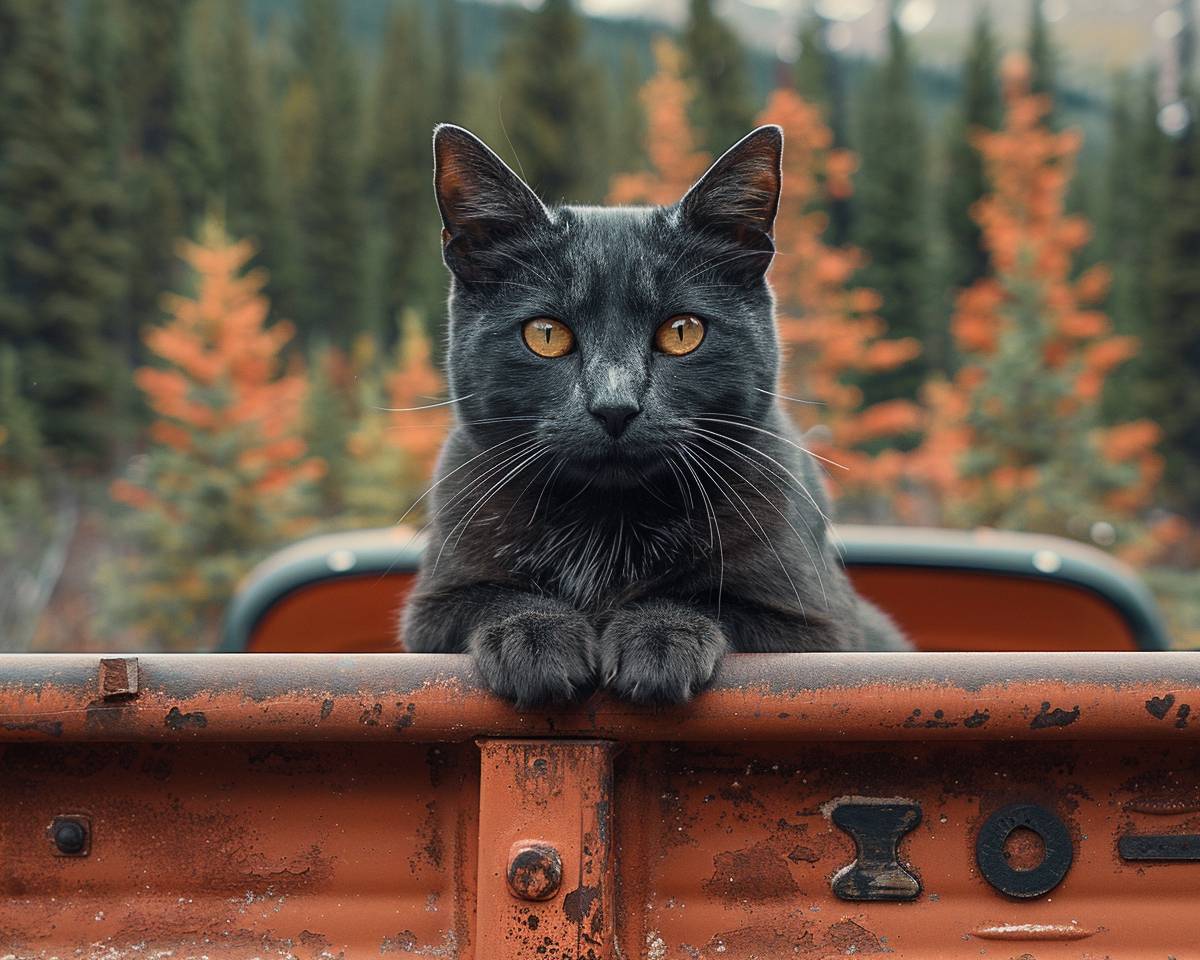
x=326, y=806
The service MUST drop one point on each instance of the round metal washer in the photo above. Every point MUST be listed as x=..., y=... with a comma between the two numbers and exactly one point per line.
x=989, y=850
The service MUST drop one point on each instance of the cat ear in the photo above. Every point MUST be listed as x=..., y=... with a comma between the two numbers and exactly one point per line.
x=739, y=194
x=479, y=197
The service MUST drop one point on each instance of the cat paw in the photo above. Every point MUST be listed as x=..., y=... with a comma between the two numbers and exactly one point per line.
x=659, y=654
x=537, y=657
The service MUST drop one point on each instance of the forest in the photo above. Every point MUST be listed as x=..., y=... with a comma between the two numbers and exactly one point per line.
x=221, y=289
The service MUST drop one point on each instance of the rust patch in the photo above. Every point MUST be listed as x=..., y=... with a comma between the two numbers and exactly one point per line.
x=181, y=721
x=755, y=873
x=1056, y=717
x=1159, y=707
x=577, y=904
x=935, y=722
x=850, y=937
x=326, y=708
x=51, y=728
x=406, y=718
x=977, y=719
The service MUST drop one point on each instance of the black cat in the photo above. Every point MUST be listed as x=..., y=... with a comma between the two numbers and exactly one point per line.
x=621, y=500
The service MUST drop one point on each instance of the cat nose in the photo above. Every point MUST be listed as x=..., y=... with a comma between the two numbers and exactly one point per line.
x=615, y=416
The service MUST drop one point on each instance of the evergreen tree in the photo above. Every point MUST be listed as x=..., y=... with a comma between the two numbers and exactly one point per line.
x=816, y=66
x=59, y=266
x=1043, y=58
x=546, y=91
x=1173, y=336
x=890, y=214
x=716, y=65
x=450, y=62
x=163, y=185
x=980, y=109
x=818, y=78
x=227, y=474
x=252, y=200
x=1020, y=427
x=327, y=195
x=398, y=174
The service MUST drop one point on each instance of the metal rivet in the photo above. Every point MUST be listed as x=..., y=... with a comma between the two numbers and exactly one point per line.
x=534, y=870
x=118, y=677
x=71, y=836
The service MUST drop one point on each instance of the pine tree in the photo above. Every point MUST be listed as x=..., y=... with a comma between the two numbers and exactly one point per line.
x=890, y=222
x=326, y=194
x=250, y=183
x=398, y=174
x=675, y=160
x=1043, y=58
x=715, y=63
x=1173, y=334
x=980, y=109
x=163, y=186
x=226, y=476
x=60, y=268
x=450, y=62
x=545, y=91
x=1017, y=440
x=816, y=63
x=830, y=329
x=819, y=80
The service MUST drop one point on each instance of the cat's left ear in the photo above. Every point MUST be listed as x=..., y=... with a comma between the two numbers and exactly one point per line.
x=739, y=194
x=480, y=199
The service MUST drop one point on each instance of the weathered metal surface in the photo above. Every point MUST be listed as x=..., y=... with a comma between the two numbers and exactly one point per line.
x=760, y=697
x=552, y=795
x=876, y=873
x=1045, y=871
x=323, y=828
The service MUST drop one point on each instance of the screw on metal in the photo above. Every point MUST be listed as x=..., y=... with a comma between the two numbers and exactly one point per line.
x=71, y=835
x=534, y=870
x=118, y=677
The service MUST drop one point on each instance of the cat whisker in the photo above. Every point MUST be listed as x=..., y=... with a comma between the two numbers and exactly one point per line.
x=800, y=485
x=714, y=526
x=773, y=478
x=782, y=396
x=465, y=521
x=756, y=526
x=449, y=474
x=777, y=436
x=428, y=406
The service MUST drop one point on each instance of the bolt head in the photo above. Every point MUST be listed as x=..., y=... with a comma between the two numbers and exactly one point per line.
x=70, y=837
x=534, y=870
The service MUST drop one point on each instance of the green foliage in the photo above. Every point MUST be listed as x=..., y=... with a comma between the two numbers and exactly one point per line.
x=227, y=476
x=60, y=265
x=715, y=63
x=1173, y=332
x=890, y=223
x=548, y=102
x=325, y=190
x=1043, y=58
x=398, y=175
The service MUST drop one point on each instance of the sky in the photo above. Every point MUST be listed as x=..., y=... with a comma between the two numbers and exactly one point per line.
x=1095, y=34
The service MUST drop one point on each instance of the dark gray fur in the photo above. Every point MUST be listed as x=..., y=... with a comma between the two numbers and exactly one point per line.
x=564, y=559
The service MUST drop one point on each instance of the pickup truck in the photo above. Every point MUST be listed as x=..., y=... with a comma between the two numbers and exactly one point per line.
x=1026, y=786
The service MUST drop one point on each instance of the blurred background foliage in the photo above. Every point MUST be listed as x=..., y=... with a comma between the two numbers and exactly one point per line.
x=221, y=291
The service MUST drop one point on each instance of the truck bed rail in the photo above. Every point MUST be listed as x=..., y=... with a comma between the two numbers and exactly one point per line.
x=807, y=805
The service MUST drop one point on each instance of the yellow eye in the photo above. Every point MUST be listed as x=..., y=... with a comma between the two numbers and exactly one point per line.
x=679, y=335
x=548, y=337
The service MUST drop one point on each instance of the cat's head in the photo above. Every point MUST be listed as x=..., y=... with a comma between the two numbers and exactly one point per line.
x=603, y=331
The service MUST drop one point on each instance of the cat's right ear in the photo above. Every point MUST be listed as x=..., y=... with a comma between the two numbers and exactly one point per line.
x=480, y=199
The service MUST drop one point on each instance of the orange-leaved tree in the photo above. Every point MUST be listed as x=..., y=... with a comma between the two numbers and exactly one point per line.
x=675, y=160
x=396, y=441
x=1017, y=439
x=226, y=474
x=830, y=330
